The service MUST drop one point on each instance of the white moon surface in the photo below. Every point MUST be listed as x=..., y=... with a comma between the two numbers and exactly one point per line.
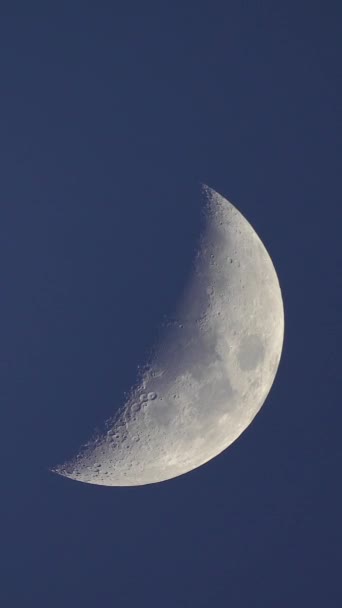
x=211, y=370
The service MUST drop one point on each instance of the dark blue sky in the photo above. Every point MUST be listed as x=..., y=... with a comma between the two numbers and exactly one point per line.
x=110, y=118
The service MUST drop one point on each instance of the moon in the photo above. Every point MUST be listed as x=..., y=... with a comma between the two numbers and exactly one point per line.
x=210, y=371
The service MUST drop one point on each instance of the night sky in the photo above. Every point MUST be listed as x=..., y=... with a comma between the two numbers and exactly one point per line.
x=112, y=115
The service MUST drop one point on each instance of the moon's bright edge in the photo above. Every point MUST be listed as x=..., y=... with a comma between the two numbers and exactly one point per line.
x=211, y=370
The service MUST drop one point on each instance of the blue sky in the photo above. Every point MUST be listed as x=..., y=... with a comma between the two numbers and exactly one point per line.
x=111, y=118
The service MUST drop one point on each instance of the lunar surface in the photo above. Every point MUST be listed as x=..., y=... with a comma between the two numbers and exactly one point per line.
x=210, y=371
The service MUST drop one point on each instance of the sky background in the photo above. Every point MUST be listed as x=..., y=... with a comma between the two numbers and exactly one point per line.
x=111, y=116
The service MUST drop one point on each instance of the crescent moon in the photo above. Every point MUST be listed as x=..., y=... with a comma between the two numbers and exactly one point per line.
x=211, y=370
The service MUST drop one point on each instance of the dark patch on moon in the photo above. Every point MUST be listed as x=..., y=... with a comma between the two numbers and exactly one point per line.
x=189, y=350
x=215, y=395
x=251, y=352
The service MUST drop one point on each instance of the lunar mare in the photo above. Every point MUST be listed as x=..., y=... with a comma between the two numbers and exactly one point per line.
x=211, y=369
